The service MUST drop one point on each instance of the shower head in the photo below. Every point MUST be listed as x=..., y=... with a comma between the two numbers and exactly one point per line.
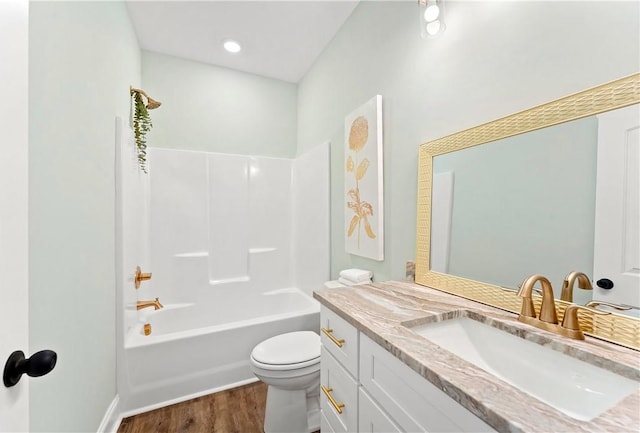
x=151, y=103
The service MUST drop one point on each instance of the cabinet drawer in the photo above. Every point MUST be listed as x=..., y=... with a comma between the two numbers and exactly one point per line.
x=372, y=419
x=340, y=339
x=337, y=384
x=411, y=400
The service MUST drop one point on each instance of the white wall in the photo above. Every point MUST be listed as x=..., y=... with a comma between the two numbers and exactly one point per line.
x=494, y=59
x=216, y=109
x=83, y=57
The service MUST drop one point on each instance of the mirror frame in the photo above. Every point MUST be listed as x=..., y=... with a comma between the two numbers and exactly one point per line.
x=606, y=97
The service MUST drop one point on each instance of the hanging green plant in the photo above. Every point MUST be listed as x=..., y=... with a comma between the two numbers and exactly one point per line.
x=141, y=125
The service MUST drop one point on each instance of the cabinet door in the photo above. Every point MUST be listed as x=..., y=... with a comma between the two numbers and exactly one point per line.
x=325, y=426
x=372, y=419
x=413, y=402
x=338, y=395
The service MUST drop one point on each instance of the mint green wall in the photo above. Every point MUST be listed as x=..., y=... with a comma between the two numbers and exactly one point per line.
x=495, y=58
x=82, y=58
x=216, y=109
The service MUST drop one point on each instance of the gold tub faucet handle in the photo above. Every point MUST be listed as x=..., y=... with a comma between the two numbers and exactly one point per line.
x=140, y=277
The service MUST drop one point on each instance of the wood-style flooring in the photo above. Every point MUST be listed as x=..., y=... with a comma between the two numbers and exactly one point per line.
x=237, y=410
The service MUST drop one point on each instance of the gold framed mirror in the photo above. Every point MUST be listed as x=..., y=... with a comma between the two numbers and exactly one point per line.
x=607, y=97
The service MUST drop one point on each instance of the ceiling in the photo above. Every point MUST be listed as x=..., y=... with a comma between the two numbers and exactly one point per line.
x=280, y=39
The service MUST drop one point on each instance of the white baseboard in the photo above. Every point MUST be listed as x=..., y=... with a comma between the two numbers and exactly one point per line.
x=140, y=410
x=112, y=418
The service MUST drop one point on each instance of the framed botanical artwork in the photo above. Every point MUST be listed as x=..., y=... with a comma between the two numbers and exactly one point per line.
x=363, y=182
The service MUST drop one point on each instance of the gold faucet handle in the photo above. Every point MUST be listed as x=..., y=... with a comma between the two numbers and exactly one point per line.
x=140, y=277
x=570, y=319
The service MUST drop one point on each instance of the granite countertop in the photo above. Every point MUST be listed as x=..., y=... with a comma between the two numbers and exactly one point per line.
x=381, y=311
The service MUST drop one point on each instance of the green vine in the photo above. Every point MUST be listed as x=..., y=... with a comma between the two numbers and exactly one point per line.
x=141, y=125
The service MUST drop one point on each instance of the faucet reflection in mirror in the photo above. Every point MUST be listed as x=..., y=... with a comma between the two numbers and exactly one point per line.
x=431, y=18
x=567, y=285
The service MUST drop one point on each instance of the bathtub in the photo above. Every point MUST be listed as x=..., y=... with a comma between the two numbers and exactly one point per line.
x=203, y=347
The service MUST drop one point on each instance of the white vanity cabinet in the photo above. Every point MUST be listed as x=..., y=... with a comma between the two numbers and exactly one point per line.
x=379, y=392
x=411, y=401
x=338, y=374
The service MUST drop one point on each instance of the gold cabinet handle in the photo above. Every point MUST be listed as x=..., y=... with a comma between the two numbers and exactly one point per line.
x=329, y=333
x=140, y=277
x=337, y=406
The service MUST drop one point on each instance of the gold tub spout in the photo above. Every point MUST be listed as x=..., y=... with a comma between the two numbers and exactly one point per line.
x=145, y=304
x=567, y=285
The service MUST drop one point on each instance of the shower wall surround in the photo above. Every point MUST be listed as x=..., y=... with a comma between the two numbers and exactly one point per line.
x=255, y=223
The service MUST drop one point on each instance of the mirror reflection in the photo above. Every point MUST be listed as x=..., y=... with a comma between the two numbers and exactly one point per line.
x=527, y=204
x=518, y=206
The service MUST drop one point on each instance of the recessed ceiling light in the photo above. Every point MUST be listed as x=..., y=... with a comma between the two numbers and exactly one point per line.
x=232, y=46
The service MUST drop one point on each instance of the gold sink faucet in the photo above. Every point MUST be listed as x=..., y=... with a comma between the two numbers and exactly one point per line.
x=567, y=285
x=145, y=304
x=547, y=309
x=548, y=319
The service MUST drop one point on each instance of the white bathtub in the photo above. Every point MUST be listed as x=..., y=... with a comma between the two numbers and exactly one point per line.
x=199, y=348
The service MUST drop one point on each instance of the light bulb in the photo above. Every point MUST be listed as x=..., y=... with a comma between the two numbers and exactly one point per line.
x=433, y=27
x=232, y=46
x=431, y=13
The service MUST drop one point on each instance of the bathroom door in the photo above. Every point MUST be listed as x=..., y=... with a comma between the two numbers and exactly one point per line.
x=14, y=133
x=617, y=224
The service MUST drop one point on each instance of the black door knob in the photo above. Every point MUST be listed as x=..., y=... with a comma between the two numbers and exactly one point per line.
x=605, y=283
x=39, y=364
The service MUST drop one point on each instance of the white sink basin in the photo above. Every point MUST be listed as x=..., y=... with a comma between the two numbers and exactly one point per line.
x=576, y=388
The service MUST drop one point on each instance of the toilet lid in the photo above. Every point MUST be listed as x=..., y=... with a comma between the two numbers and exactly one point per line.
x=289, y=348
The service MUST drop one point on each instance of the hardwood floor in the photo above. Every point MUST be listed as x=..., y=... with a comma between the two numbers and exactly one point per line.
x=237, y=410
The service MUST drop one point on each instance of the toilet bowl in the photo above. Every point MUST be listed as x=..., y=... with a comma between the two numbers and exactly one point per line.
x=290, y=365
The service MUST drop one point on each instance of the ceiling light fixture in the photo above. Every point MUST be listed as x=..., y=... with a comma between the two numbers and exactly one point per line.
x=431, y=18
x=232, y=46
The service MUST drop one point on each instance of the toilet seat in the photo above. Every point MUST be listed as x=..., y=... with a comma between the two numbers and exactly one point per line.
x=289, y=351
x=286, y=367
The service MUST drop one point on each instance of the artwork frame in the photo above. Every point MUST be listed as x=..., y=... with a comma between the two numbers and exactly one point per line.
x=364, y=182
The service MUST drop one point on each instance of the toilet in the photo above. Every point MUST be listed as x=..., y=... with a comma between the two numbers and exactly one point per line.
x=290, y=365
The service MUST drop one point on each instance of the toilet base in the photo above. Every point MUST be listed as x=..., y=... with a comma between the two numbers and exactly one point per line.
x=292, y=411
